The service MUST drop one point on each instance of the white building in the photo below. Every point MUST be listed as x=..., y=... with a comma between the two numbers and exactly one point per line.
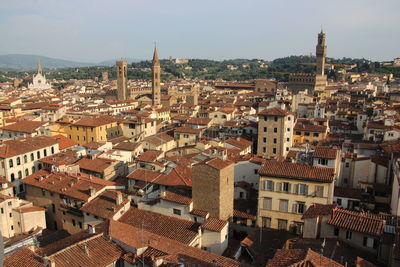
x=39, y=80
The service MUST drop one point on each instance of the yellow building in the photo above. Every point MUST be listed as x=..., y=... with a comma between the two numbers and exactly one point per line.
x=287, y=189
x=310, y=130
x=93, y=129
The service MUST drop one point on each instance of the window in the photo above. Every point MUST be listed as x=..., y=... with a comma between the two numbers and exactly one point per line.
x=283, y=205
x=10, y=163
x=53, y=207
x=265, y=129
x=241, y=194
x=285, y=187
x=289, y=118
x=282, y=224
x=370, y=242
x=347, y=165
x=275, y=118
x=2, y=211
x=19, y=175
x=288, y=139
x=43, y=192
x=275, y=130
x=339, y=201
x=32, y=157
x=33, y=169
x=38, y=154
x=336, y=231
x=21, y=188
x=298, y=133
x=266, y=222
x=319, y=191
x=264, y=139
x=316, y=134
x=73, y=222
x=177, y=211
x=274, y=151
x=45, y=152
x=26, y=172
x=25, y=158
x=307, y=133
x=255, y=171
x=267, y=203
x=12, y=177
x=274, y=140
x=80, y=225
x=10, y=215
x=269, y=185
x=299, y=207
x=18, y=161
x=348, y=235
x=264, y=149
x=323, y=162
x=302, y=189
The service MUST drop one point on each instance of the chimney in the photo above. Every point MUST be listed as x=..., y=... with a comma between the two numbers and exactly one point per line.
x=92, y=228
x=49, y=262
x=119, y=198
x=4, y=185
x=92, y=191
x=86, y=250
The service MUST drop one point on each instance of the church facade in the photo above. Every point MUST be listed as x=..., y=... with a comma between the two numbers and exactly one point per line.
x=39, y=81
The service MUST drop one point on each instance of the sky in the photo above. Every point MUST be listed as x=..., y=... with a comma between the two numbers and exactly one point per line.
x=97, y=30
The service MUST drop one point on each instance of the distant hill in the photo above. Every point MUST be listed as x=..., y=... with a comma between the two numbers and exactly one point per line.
x=29, y=62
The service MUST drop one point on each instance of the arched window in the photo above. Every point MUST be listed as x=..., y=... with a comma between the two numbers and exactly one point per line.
x=19, y=175
x=25, y=158
x=26, y=172
x=45, y=152
x=32, y=157
x=38, y=155
x=33, y=169
x=10, y=163
x=12, y=177
x=52, y=150
x=18, y=161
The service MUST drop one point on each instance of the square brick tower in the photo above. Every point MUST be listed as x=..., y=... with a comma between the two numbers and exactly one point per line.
x=212, y=187
x=122, y=80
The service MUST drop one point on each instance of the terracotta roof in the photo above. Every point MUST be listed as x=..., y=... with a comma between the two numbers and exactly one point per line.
x=239, y=142
x=177, y=251
x=348, y=192
x=98, y=165
x=24, y=126
x=23, y=257
x=95, y=121
x=310, y=128
x=185, y=129
x=214, y=224
x=274, y=112
x=362, y=222
x=176, y=197
x=11, y=148
x=199, y=121
x=178, y=176
x=316, y=210
x=76, y=186
x=300, y=258
x=64, y=142
x=325, y=152
x=149, y=156
x=296, y=171
x=92, y=252
x=29, y=209
x=171, y=227
x=105, y=205
x=218, y=163
x=197, y=212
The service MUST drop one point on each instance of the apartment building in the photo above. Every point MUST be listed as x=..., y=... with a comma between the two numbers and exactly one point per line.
x=20, y=158
x=275, y=131
x=63, y=195
x=287, y=189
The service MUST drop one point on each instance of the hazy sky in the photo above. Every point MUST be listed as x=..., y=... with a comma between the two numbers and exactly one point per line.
x=96, y=30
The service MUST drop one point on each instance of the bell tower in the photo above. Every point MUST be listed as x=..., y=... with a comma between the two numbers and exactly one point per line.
x=321, y=53
x=122, y=80
x=155, y=79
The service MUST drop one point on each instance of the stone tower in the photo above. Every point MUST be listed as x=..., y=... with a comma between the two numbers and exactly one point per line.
x=155, y=80
x=321, y=53
x=212, y=187
x=122, y=80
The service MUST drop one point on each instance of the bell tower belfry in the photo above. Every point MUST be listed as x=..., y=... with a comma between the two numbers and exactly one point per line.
x=155, y=79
